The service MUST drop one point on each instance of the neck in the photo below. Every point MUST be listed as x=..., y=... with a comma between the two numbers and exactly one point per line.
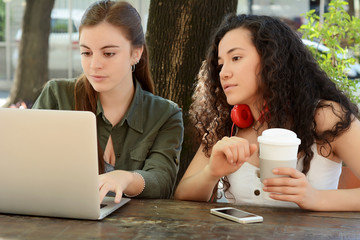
x=115, y=103
x=255, y=112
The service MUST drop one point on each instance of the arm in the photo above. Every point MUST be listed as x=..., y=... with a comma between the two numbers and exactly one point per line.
x=345, y=147
x=197, y=183
x=161, y=164
x=120, y=181
x=297, y=189
x=151, y=163
x=56, y=95
x=47, y=99
x=203, y=173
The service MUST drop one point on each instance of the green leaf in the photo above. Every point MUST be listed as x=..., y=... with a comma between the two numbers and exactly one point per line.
x=340, y=32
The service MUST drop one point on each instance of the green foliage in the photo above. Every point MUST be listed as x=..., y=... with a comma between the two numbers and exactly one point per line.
x=2, y=20
x=340, y=33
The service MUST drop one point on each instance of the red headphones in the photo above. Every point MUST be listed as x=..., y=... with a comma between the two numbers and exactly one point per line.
x=241, y=116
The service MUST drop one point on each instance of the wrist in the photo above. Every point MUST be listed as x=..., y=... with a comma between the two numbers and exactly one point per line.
x=317, y=201
x=209, y=174
x=137, y=186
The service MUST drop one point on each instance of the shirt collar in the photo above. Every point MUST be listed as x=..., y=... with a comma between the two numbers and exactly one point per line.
x=134, y=115
x=99, y=108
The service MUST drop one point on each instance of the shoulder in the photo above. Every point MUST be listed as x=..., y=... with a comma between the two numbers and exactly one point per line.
x=57, y=94
x=154, y=114
x=61, y=89
x=160, y=112
x=159, y=104
x=328, y=115
x=345, y=144
x=60, y=84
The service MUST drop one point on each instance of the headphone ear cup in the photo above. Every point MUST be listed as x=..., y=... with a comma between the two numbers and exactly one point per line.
x=241, y=116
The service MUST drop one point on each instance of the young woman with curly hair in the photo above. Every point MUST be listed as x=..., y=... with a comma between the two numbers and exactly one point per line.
x=259, y=61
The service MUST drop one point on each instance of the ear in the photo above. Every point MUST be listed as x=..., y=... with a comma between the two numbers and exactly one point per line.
x=136, y=54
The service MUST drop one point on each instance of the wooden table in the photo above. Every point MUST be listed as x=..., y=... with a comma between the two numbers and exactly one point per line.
x=170, y=219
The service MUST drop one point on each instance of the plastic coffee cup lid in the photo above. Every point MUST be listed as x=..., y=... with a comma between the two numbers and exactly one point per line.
x=279, y=136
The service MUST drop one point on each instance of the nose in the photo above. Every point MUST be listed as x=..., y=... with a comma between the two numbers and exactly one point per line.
x=225, y=73
x=96, y=61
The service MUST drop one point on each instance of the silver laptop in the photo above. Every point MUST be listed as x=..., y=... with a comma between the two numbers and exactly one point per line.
x=49, y=166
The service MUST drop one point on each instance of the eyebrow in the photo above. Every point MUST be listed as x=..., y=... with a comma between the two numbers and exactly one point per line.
x=104, y=47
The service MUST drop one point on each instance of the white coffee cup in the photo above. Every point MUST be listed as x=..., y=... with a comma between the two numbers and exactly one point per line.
x=278, y=148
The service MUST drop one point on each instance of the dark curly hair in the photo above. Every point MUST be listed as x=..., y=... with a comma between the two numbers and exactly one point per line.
x=290, y=82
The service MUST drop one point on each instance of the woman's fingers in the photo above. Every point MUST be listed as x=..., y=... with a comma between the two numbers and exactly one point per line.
x=102, y=192
x=282, y=190
x=253, y=148
x=115, y=181
x=292, y=172
x=236, y=150
x=295, y=188
x=282, y=181
x=118, y=196
x=229, y=154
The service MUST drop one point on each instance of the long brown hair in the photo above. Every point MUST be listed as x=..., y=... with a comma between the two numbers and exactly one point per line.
x=125, y=17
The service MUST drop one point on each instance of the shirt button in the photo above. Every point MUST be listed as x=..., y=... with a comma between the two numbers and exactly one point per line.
x=257, y=192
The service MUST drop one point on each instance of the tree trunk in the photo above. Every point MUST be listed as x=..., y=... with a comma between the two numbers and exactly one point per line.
x=351, y=9
x=32, y=69
x=2, y=20
x=178, y=35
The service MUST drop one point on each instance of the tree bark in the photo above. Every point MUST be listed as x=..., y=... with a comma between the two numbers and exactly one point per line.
x=178, y=34
x=32, y=69
x=2, y=21
x=351, y=9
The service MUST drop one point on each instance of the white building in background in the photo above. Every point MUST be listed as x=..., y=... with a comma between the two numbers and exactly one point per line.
x=291, y=9
x=13, y=22
x=283, y=8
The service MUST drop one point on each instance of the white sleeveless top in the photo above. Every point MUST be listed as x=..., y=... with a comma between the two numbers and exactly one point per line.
x=246, y=187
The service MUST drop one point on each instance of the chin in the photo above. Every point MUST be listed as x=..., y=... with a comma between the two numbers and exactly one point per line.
x=231, y=101
x=97, y=87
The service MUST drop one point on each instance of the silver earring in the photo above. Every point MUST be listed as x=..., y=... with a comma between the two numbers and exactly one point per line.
x=133, y=66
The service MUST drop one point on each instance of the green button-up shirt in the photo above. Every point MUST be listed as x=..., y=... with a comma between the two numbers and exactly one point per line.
x=147, y=140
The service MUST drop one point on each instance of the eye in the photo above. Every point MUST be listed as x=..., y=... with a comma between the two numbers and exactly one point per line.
x=236, y=58
x=85, y=53
x=109, y=54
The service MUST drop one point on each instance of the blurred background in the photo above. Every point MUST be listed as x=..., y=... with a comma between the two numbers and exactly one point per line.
x=64, y=57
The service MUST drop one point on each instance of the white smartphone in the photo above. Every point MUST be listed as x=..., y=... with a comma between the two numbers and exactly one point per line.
x=236, y=215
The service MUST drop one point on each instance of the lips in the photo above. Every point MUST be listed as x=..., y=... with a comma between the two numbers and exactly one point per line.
x=227, y=87
x=97, y=78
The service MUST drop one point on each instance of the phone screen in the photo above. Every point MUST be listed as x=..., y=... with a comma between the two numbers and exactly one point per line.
x=236, y=213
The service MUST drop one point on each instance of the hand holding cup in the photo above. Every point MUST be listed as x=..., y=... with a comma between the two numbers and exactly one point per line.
x=278, y=148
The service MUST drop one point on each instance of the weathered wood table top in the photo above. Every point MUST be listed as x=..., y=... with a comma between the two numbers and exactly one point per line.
x=170, y=219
